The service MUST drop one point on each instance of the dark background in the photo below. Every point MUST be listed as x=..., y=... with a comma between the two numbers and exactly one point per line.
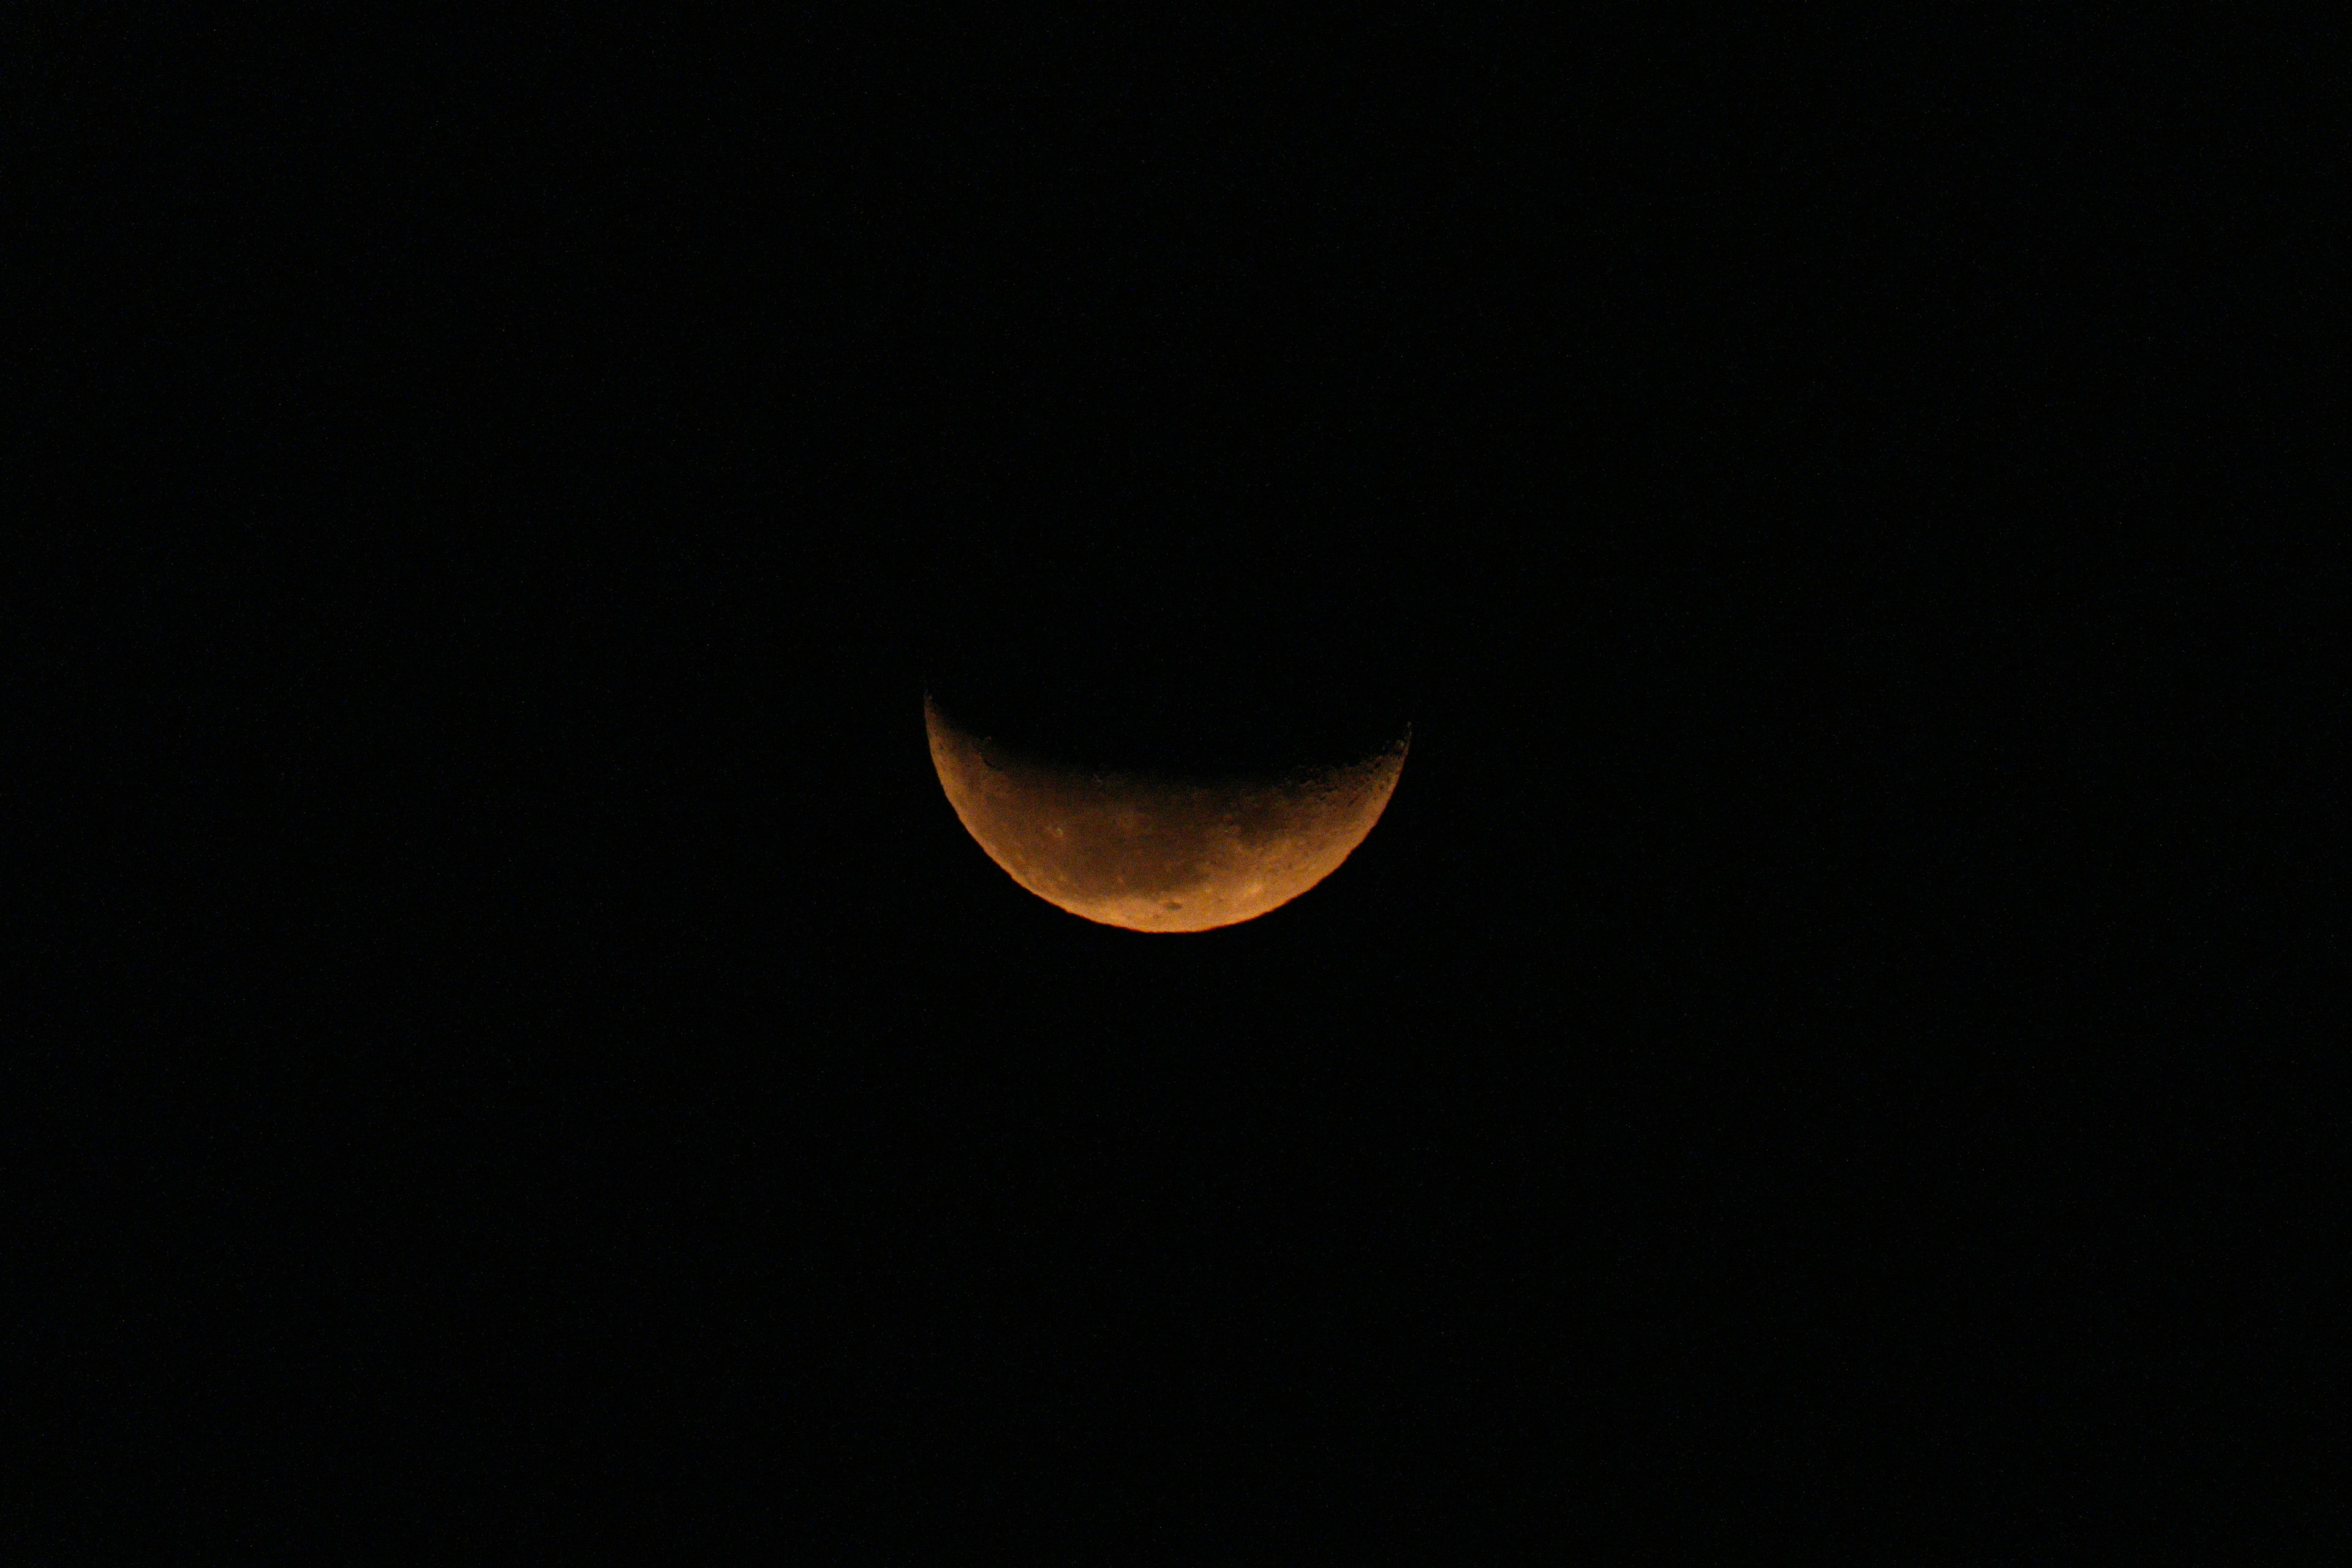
x=1776, y=1044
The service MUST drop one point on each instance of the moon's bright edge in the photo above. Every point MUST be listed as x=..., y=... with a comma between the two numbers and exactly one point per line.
x=1158, y=855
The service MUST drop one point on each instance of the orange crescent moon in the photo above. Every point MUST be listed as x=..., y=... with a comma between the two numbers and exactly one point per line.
x=1158, y=855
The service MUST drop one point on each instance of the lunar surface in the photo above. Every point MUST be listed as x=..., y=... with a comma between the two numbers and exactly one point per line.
x=1155, y=854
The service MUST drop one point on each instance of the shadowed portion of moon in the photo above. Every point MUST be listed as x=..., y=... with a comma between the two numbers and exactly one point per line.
x=1152, y=852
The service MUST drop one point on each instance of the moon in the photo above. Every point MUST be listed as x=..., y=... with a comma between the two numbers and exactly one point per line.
x=1154, y=854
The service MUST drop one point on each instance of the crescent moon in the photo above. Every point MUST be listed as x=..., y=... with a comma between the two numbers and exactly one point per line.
x=1153, y=854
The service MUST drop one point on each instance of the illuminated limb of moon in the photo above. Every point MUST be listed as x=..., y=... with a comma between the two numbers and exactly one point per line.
x=1158, y=855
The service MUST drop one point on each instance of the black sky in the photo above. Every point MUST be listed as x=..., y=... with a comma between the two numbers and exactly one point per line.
x=1750, y=1057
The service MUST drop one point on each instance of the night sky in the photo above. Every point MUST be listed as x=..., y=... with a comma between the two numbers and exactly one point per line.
x=1751, y=1057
